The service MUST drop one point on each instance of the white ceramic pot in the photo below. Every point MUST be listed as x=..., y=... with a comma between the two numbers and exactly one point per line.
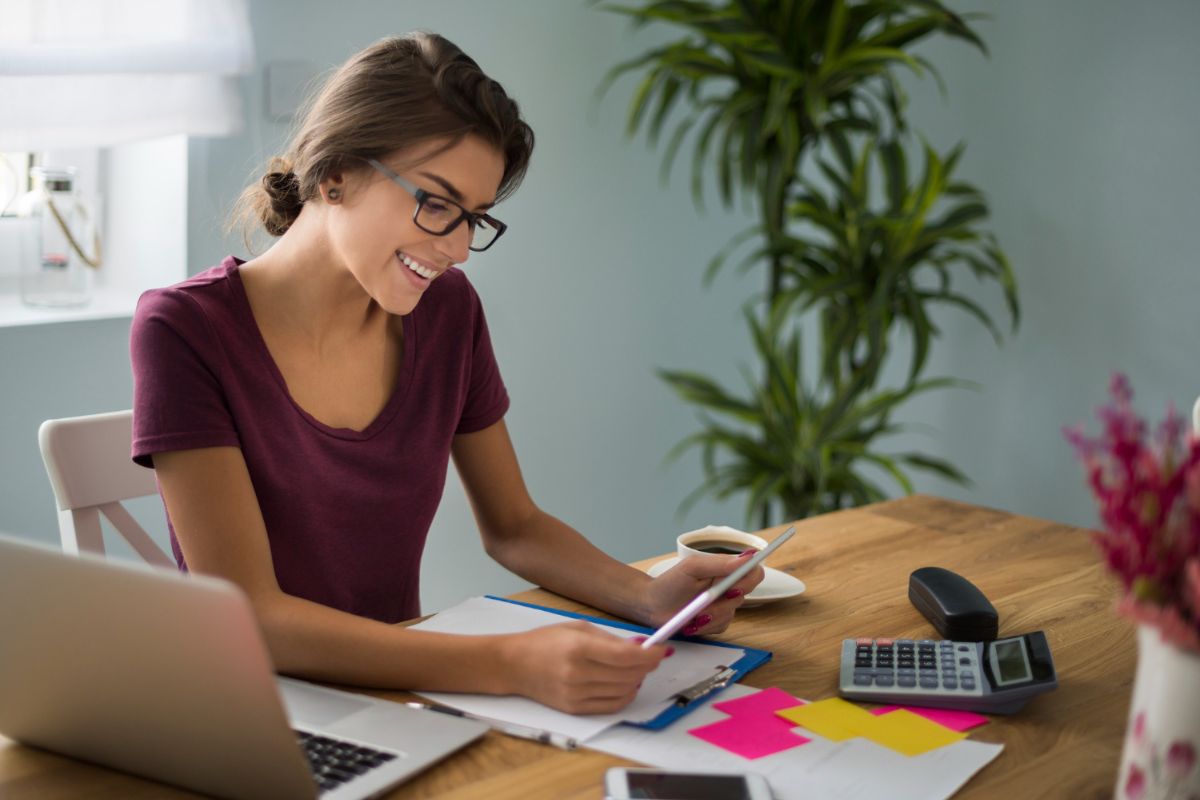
x=1161, y=756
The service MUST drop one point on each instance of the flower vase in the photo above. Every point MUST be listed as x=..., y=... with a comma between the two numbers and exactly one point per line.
x=1162, y=738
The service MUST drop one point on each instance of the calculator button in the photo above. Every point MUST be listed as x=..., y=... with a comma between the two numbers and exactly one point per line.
x=864, y=641
x=969, y=685
x=964, y=648
x=883, y=642
x=950, y=683
x=863, y=678
x=929, y=682
x=887, y=679
x=906, y=681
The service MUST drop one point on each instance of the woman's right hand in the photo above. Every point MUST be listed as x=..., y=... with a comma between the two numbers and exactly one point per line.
x=578, y=668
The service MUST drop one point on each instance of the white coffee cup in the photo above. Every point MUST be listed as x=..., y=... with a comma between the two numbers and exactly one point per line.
x=717, y=539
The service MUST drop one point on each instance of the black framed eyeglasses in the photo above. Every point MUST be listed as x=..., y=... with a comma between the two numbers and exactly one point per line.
x=441, y=215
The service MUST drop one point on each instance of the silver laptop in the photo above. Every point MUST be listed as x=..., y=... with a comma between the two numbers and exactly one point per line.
x=166, y=676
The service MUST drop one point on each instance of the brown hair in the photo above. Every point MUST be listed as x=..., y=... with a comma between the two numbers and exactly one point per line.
x=399, y=92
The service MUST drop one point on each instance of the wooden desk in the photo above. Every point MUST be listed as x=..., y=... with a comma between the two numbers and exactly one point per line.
x=1040, y=576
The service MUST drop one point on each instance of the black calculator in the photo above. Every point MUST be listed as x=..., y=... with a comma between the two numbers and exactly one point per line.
x=997, y=677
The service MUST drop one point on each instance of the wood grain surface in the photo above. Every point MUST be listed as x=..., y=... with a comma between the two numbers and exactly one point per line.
x=1039, y=575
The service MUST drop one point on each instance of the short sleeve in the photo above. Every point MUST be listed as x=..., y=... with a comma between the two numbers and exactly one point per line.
x=486, y=399
x=178, y=399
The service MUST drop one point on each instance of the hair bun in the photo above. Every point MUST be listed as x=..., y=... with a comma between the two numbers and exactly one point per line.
x=283, y=187
x=283, y=191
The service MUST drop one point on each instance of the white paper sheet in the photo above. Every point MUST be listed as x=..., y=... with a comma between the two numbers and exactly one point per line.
x=855, y=768
x=690, y=664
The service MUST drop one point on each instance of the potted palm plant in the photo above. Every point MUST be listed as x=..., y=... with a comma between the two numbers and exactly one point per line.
x=795, y=105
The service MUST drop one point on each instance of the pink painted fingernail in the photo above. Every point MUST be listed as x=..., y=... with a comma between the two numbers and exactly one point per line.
x=670, y=652
x=691, y=629
x=640, y=639
x=732, y=593
x=744, y=553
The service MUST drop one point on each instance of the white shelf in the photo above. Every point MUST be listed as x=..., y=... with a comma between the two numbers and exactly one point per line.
x=105, y=304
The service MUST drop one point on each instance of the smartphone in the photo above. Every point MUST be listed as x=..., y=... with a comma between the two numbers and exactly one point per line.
x=624, y=784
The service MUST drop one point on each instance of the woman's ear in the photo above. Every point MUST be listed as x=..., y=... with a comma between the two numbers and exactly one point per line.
x=333, y=188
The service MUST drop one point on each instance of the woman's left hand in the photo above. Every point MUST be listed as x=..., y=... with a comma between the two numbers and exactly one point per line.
x=676, y=587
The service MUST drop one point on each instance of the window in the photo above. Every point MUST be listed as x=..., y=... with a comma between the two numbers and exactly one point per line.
x=113, y=88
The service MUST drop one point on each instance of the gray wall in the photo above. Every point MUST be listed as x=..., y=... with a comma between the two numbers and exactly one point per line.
x=1079, y=128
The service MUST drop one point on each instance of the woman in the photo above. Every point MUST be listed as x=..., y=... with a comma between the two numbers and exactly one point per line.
x=301, y=408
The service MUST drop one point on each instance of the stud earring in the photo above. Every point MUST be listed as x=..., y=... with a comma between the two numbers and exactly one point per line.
x=334, y=195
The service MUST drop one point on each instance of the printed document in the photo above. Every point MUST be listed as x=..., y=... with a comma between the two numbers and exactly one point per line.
x=690, y=664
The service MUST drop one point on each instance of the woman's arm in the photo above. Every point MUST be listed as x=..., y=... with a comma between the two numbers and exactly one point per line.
x=546, y=551
x=215, y=514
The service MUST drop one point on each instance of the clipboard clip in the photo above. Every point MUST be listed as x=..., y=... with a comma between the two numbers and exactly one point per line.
x=719, y=680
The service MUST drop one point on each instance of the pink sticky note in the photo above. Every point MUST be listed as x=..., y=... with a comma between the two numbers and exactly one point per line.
x=954, y=720
x=750, y=736
x=766, y=702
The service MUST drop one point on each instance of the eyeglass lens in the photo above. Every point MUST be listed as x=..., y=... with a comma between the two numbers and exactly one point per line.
x=436, y=216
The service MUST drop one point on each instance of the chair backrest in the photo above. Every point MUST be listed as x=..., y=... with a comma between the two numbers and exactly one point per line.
x=87, y=459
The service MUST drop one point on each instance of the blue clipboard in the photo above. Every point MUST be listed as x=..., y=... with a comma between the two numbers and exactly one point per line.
x=697, y=695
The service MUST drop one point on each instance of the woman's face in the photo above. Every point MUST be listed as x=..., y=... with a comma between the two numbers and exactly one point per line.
x=372, y=228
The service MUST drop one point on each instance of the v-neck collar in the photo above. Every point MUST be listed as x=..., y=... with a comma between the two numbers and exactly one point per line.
x=408, y=357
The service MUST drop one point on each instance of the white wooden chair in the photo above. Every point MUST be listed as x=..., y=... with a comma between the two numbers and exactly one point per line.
x=87, y=459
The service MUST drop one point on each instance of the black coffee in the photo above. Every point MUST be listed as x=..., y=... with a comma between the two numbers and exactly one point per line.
x=719, y=547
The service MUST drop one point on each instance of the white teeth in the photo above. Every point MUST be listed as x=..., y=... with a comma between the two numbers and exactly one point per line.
x=424, y=272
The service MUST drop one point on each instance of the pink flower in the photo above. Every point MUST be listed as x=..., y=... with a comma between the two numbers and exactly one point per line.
x=1172, y=627
x=1181, y=757
x=1191, y=580
x=1135, y=784
x=1147, y=490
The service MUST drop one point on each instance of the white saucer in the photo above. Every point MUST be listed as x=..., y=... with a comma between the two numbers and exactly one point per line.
x=775, y=585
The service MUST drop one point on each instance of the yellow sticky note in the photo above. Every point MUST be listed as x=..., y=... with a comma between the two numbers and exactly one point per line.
x=834, y=718
x=908, y=733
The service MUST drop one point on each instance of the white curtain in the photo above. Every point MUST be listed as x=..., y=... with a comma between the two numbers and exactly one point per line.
x=93, y=73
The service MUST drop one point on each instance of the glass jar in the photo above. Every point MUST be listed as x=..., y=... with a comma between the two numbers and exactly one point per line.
x=60, y=248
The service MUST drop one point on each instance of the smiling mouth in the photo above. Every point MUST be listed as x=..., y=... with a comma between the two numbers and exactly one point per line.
x=425, y=272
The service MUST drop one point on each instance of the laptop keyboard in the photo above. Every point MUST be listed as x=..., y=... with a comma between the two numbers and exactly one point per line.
x=334, y=761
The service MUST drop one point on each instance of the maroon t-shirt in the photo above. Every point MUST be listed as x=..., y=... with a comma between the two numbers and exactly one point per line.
x=347, y=512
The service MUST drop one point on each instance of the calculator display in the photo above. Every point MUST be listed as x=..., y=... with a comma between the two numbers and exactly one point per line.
x=1010, y=662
